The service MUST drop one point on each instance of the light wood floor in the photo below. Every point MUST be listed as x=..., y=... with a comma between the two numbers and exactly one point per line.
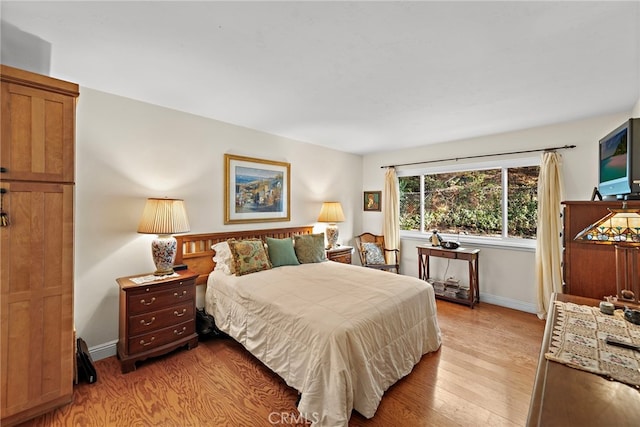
x=482, y=376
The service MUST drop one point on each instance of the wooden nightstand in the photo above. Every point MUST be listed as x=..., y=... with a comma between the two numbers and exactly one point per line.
x=156, y=317
x=340, y=254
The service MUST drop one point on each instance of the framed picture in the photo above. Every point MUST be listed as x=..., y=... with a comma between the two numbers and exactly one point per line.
x=372, y=201
x=256, y=190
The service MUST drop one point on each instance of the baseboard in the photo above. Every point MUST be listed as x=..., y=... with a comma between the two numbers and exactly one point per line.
x=509, y=303
x=102, y=351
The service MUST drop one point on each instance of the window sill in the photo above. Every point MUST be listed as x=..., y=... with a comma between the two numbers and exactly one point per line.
x=527, y=245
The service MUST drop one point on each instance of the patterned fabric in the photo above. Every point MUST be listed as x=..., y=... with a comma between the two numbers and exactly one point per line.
x=373, y=253
x=249, y=256
x=281, y=252
x=310, y=248
x=223, y=258
x=579, y=342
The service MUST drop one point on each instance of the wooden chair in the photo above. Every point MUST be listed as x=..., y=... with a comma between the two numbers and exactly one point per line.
x=367, y=258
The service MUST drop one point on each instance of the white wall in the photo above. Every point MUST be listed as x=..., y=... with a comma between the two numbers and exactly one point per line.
x=635, y=113
x=127, y=151
x=507, y=276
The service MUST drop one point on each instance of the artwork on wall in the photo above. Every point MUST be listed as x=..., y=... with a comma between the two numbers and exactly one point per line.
x=256, y=190
x=372, y=201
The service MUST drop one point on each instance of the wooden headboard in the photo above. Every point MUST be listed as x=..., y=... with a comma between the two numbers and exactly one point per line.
x=195, y=249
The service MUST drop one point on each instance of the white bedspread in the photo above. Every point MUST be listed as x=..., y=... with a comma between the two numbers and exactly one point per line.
x=339, y=334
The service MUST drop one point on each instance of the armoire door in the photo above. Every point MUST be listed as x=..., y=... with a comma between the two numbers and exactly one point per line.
x=36, y=259
x=38, y=129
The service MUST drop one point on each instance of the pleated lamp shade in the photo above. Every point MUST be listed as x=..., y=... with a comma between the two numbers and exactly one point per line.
x=164, y=217
x=331, y=212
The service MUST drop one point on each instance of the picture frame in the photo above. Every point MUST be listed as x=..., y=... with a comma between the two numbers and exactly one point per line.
x=372, y=201
x=256, y=190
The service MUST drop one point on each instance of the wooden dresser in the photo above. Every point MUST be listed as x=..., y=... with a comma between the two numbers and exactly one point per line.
x=589, y=270
x=156, y=317
x=37, y=148
x=564, y=396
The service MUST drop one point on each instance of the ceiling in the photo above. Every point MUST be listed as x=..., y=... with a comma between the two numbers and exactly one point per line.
x=359, y=77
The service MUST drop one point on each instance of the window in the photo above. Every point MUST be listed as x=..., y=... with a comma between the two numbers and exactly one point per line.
x=482, y=200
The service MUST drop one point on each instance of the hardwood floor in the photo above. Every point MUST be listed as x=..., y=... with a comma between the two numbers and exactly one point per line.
x=481, y=376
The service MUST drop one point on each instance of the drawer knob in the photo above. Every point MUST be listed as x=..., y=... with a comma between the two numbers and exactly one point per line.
x=184, y=311
x=144, y=344
x=147, y=303
x=177, y=332
x=177, y=295
x=142, y=322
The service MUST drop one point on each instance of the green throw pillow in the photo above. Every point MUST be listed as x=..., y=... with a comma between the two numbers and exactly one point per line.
x=281, y=252
x=310, y=248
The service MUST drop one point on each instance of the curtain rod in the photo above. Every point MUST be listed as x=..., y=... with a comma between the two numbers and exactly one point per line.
x=482, y=155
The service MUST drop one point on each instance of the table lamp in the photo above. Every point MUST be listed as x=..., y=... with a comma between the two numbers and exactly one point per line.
x=621, y=228
x=164, y=217
x=331, y=212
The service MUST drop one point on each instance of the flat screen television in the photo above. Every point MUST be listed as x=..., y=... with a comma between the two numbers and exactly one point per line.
x=619, y=167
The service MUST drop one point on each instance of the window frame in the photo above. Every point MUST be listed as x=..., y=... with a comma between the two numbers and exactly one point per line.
x=504, y=164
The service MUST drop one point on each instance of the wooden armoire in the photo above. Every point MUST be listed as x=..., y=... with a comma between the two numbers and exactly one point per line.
x=37, y=156
x=589, y=269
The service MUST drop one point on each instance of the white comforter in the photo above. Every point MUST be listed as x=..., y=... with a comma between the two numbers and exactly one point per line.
x=339, y=334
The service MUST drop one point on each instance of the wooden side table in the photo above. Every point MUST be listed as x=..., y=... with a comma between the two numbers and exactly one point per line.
x=340, y=254
x=156, y=317
x=469, y=255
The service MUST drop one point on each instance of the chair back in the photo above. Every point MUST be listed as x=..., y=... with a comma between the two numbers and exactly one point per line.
x=367, y=238
x=378, y=240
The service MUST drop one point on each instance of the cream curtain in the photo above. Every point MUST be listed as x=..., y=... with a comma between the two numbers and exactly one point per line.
x=548, y=242
x=391, y=210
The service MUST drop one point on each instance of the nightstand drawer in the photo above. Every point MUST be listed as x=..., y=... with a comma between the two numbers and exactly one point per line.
x=147, y=322
x=146, y=300
x=344, y=258
x=163, y=336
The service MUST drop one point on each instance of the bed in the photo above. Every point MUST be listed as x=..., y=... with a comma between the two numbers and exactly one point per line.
x=339, y=334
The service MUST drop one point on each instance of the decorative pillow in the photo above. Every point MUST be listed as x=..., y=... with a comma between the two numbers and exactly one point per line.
x=249, y=256
x=223, y=258
x=281, y=252
x=373, y=253
x=309, y=248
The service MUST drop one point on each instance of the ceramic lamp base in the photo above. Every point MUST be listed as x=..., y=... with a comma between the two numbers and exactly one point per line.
x=332, y=236
x=163, y=250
